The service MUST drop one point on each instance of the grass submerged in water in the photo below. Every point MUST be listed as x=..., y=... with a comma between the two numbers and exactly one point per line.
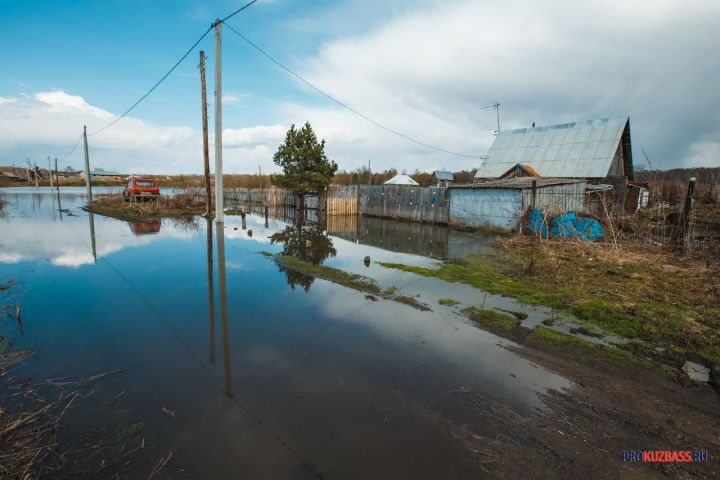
x=643, y=300
x=350, y=280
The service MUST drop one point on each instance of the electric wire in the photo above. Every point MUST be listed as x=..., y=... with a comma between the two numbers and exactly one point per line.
x=117, y=119
x=345, y=106
x=171, y=70
x=71, y=150
x=238, y=10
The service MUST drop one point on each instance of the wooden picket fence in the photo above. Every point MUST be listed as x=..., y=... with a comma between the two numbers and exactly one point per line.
x=342, y=200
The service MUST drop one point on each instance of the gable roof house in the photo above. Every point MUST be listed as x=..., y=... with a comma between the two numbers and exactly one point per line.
x=592, y=149
x=442, y=178
x=599, y=151
x=401, y=180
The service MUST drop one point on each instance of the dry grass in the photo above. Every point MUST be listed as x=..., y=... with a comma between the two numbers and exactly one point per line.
x=177, y=206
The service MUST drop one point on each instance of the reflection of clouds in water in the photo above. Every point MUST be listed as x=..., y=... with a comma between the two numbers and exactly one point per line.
x=11, y=257
x=32, y=236
x=444, y=336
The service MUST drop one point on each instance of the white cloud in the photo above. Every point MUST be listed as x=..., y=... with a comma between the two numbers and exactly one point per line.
x=426, y=70
x=427, y=73
x=48, y=123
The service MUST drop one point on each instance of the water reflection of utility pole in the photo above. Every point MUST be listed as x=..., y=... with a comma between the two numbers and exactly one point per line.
x=92, y=233
x=59, y=204
x=211, y=290
x=223, y=308
x=266, y=217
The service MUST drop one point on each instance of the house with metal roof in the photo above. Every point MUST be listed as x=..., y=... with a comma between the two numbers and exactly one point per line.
x=591, y=149
x=401, y=180
x=442, y=178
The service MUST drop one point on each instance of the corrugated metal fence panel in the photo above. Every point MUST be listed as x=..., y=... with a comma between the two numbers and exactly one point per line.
x=497, y=208
x=557, y=198
x=418, y=204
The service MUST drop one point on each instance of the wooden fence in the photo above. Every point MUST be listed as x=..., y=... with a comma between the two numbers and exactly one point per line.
x=342, y=200
x=417, y=204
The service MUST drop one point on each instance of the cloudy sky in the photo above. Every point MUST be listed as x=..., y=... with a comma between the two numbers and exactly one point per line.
x=422, y=67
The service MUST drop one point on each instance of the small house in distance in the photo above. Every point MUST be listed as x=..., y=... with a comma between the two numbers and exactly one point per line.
x=100, y=174
x=402, y=180
x=442, y=178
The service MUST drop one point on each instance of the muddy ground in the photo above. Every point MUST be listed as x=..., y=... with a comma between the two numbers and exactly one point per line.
x=583, y=431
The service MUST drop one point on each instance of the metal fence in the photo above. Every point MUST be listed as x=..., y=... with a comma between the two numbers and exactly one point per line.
x=417, y=204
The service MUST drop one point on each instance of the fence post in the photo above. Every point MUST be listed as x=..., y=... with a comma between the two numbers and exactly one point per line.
x=688, y=216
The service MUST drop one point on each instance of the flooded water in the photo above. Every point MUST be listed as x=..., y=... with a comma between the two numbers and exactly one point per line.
x=244, y=370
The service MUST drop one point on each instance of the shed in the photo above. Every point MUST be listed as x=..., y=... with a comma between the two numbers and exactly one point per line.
x=501, y=203
x=442, y=178
x=401, y=180
x=101, y=174
x=591, y=149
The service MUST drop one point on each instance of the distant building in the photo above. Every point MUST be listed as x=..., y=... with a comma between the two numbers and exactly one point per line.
x=100, y=174
x=442, y=178
x=402, y=180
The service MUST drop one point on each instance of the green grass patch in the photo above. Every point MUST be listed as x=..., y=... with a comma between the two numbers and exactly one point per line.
x=636, y=301
x=492, y=320
x=350, y=280
x=448, y=302
x=340, y=277
x=577, y=348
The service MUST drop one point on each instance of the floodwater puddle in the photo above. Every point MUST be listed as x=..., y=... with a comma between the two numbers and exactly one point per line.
x=198, y=345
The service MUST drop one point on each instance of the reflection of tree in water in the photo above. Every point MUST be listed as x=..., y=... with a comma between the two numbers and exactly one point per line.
x=306, y=242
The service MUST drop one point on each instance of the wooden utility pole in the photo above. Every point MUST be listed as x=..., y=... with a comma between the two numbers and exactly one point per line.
x=206, y=151
x=50, y=173
x=88, y=184
x=219, y=203
x=57, y=176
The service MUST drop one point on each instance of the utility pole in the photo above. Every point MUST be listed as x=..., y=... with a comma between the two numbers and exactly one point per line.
x=88, y=183
x=50, y=173
x=369, y=173
x=57, y=176
x=219, y=203
x=497, y=110
x=206, y=151
x=35, y=174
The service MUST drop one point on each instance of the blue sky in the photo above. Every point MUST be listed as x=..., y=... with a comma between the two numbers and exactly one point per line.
x=420, y=66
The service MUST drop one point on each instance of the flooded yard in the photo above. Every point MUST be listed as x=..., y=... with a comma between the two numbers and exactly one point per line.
x=187, y=339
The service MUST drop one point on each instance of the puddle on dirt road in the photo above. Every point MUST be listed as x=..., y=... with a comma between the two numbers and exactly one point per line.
x=267, y=373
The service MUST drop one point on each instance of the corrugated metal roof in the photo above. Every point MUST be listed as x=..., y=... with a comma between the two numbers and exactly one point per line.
x=520, y=183
x=106, y=173
x=441, y=175
x=401, y=180
x=577, y=149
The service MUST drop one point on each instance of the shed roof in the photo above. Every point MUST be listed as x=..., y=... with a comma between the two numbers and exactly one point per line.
x=108, y=173
x=521, y=183
x=401, y=180
x=578, y=149
x=443, y=175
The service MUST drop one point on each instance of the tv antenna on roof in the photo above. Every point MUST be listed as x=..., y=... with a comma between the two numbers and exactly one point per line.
x=497, y=111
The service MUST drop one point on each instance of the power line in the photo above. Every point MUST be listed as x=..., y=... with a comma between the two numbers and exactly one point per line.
x=171, y=70
x=238, y=10
x=72, y=149
x=154, y=86
x=347, y=107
